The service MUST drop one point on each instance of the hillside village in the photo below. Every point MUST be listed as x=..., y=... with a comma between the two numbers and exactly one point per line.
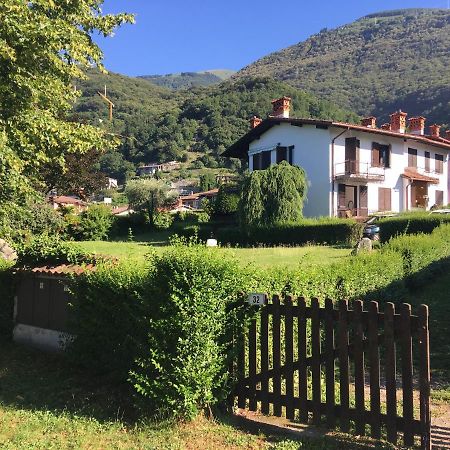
x=225, y=259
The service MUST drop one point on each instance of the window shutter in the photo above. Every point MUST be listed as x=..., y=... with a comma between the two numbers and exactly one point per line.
x=363, y=196
x=281, y=154
x=375, y=155
x=266, y=159
x=439, y=199
x=412, y=157
x=384, y=199
x=291, y=154
x=439, y=163
x=427, y=161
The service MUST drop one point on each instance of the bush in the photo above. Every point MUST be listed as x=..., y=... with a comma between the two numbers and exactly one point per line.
x=162, y=220
x=95, y=223
x=50, y=250
x=166, y=327
x=411, y=223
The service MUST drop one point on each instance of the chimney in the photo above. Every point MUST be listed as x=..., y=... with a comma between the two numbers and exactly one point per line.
x=281, y=107
x=254, y=122
x=386, y=126
x=447, y=135
x=417, y=125
x=435, y=130
x=398, y=121
x=369, y=122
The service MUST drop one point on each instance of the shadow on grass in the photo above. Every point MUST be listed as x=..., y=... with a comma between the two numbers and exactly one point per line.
x=30, y=379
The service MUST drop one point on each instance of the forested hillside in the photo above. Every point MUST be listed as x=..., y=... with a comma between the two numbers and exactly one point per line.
x=375, y=65
x=156, y=124
x=185, y=80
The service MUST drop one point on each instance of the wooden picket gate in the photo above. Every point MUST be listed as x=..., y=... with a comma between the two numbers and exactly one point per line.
x=325, y=363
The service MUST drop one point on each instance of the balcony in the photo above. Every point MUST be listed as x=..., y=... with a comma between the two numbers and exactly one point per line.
x=358, y=171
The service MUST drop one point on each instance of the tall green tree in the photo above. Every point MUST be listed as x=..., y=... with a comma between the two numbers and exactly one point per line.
x=273, y=196
x=44, y=47
x=149, y=195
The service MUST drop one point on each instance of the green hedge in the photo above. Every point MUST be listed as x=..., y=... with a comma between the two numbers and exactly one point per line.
x=309, y=231
x=412, y=223
x=165, y=326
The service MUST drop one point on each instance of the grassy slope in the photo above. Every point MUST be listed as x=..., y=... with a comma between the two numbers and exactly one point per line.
x=261, y=257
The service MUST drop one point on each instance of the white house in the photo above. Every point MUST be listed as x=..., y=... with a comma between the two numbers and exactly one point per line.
x=353, y=170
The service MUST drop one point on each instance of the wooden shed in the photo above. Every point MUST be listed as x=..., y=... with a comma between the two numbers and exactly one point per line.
x=42, y=305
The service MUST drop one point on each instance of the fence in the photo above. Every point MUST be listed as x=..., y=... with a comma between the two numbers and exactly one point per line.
x=304, y=358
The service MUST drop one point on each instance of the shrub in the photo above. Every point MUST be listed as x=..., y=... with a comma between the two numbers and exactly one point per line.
x=50, y=250
x=410, y=224
x=95, y=223
x=162, y=220
x=183, y=363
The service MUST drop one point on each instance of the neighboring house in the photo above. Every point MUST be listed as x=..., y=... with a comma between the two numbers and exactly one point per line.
x=63, y=200
x=152, y=168
x=194, y=201
x=353, y=170
x=120, y=211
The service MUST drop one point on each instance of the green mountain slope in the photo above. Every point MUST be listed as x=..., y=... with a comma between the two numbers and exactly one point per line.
x=375, y=65
x=157, y=124
x=185, y=80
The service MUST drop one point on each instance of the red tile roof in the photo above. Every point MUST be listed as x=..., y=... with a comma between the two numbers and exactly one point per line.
x=68, y=200
x=415, y=176
x=63, y=269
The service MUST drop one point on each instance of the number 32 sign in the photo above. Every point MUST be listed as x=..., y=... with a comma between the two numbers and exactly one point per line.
x=256, y=299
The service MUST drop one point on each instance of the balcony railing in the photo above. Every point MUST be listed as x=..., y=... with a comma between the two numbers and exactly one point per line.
x=358, y=171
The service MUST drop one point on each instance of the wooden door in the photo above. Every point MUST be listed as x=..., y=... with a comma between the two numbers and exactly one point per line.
x=384, y=199
x=351, y=198
x=419, y=194
x=363, y=210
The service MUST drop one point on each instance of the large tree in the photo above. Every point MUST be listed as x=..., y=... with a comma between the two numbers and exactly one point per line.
x=44, y=46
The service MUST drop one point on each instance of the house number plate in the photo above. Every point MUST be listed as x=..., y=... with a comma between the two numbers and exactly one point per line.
x=256, y=299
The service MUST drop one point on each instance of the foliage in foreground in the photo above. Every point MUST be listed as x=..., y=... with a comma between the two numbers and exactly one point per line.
x=43, y=48
x=167, y=327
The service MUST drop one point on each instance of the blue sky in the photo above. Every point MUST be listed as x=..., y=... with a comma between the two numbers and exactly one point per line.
x=180, y=35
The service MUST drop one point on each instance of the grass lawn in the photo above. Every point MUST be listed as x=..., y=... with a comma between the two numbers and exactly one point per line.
x=262, y=257
x=47, y=404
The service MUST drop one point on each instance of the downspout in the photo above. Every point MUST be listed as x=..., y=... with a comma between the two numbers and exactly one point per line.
x=332, y=168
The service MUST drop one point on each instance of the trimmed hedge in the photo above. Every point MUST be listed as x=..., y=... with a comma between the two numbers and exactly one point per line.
x=327, y=231
x=412, y=223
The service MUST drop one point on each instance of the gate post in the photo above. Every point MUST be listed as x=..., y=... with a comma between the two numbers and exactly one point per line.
x=424, y=378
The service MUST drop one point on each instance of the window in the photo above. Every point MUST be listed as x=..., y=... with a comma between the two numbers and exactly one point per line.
x=427, y=161
x=412, y=157
x=439, y=198
x=291, y=154
x=384, y=199
x=439, y=163
x=381, y=155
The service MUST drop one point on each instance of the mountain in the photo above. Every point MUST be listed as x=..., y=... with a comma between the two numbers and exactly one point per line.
x=196, y=124
x=185, y=80
x=375, y=65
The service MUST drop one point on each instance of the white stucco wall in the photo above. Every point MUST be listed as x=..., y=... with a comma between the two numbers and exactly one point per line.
x=311, y=152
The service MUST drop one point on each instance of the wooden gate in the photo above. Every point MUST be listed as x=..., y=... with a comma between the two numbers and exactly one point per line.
x=339, y=365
